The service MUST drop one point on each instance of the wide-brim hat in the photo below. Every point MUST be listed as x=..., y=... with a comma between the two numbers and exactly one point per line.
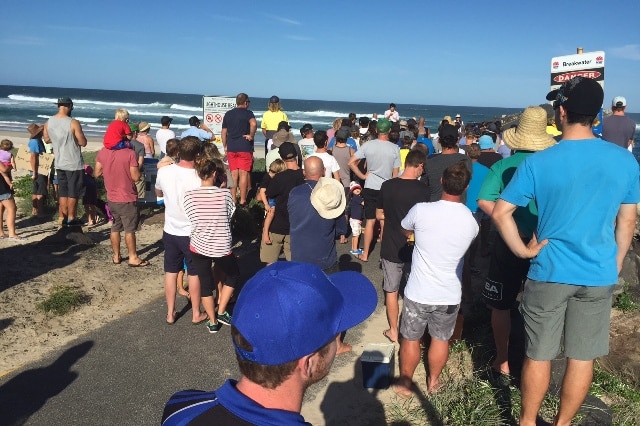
x=143, y=126
x=531, y=133
x=328, y=198
x=34, y=129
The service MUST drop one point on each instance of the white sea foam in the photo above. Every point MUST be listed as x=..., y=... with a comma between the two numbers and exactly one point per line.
x=185, y=108
x=84, y=102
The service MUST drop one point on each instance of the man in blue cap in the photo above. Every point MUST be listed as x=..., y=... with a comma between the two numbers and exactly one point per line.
x=284, y=329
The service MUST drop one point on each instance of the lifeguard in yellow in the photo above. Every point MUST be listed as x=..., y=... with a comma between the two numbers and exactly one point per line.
x=271, y=118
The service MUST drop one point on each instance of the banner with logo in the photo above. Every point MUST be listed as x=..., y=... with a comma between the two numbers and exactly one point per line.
x=213, y=110
x=588, y=65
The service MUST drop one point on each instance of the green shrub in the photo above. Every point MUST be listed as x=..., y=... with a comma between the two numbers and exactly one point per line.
x=63, y=299
x=624, y=301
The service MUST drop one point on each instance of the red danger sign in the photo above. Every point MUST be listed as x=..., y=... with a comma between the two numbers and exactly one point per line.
x=217, y=118
x=568, y=76
x=209, y=118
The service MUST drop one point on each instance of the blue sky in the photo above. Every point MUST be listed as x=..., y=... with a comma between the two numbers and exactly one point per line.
x=494, y=53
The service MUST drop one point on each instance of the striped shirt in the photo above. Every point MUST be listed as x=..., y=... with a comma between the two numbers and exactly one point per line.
x=209, y=210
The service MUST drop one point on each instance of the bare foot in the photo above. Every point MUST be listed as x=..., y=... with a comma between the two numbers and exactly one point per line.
x=403, y=388
x=183, y=292
x=433, y=387
x=343, y=348
x=171, y=318
x=361, y=258
x=393, y=337
x=200, y=319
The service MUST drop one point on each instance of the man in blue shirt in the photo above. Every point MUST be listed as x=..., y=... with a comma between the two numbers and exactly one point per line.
x=306, y=311
x=586, y=191
x=199, y=130
x=316, y=217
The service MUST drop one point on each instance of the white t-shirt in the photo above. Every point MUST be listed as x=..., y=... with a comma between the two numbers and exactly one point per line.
x=162, y=136
x=443, y=232
x=174, y=181
x=392, y=116
x=330, y=163
x=307, y=147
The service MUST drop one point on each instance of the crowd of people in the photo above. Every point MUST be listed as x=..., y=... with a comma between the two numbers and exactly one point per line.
x=563, y=206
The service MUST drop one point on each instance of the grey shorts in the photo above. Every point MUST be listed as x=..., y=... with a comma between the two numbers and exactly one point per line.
x=579, y=315
x=126, y=217
x=391, y=275
x=440, y=318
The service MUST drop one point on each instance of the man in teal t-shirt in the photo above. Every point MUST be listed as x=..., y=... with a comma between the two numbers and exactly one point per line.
x=586, y=191
x=507, y=272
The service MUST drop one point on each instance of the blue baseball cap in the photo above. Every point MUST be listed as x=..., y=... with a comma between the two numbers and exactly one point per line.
x=485, y=142
x=291, y=309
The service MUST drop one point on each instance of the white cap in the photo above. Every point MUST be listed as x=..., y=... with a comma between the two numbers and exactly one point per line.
x=619, y=101
x=457, y=115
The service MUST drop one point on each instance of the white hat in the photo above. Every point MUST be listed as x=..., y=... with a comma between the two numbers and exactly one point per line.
x=328, y=198
x=619, y=101
x=457, y=115
x=354, y=185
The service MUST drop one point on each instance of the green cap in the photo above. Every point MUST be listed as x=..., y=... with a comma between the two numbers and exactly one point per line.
x=133, y=127
x=383, y=125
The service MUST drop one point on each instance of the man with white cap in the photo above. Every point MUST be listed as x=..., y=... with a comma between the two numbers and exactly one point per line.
x=618, y=128
x=305, y=311
x=507, y=272
x=586, y=191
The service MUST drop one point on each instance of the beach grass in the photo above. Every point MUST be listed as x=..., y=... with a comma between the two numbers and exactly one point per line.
x=62, y=299
x=469, y=398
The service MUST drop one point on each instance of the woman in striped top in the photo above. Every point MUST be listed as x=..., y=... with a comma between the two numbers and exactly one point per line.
x=209, y=210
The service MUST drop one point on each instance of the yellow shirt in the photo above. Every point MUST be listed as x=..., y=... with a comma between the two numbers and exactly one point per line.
x=553, y=131
x=270, y=119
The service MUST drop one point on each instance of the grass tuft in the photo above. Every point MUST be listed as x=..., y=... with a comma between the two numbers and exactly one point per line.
x=63, y=299
x=625, y=302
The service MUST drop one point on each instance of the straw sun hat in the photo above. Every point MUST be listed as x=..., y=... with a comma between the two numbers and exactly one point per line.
x=531, y=133
x=328, y=198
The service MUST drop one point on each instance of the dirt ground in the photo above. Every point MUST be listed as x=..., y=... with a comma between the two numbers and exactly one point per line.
x=49, y=258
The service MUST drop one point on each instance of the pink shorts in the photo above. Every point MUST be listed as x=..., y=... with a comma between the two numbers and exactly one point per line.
x=240, y=160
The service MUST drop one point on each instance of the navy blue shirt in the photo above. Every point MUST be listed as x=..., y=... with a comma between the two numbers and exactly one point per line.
x=237, y=124
x=313, y=238
x=225, y=406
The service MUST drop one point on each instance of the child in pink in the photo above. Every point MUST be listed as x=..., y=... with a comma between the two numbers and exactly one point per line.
x=6, y=158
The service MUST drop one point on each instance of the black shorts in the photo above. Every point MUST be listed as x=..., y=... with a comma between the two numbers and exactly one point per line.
x=177, y=254
x=370, y=197
x=40, y=185
x=507, y=273
x=70, y=183
x=225, y=265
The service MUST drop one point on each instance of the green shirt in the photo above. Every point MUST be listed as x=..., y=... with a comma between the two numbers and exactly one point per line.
x=497, y=180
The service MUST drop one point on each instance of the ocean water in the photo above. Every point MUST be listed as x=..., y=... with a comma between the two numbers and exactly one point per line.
x=23, y=105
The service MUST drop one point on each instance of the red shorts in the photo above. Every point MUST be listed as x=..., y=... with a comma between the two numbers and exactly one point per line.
x=240, y=160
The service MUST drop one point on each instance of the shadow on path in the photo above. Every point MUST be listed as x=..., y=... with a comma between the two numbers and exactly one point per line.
x=27, y=392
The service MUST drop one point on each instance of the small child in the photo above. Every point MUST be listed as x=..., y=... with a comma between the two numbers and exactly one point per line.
x=276, y=167
x=6, y=158
x=90, y=198
x=356, y=205
x=173, y=150
x=118, y=134
x=406, y=140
